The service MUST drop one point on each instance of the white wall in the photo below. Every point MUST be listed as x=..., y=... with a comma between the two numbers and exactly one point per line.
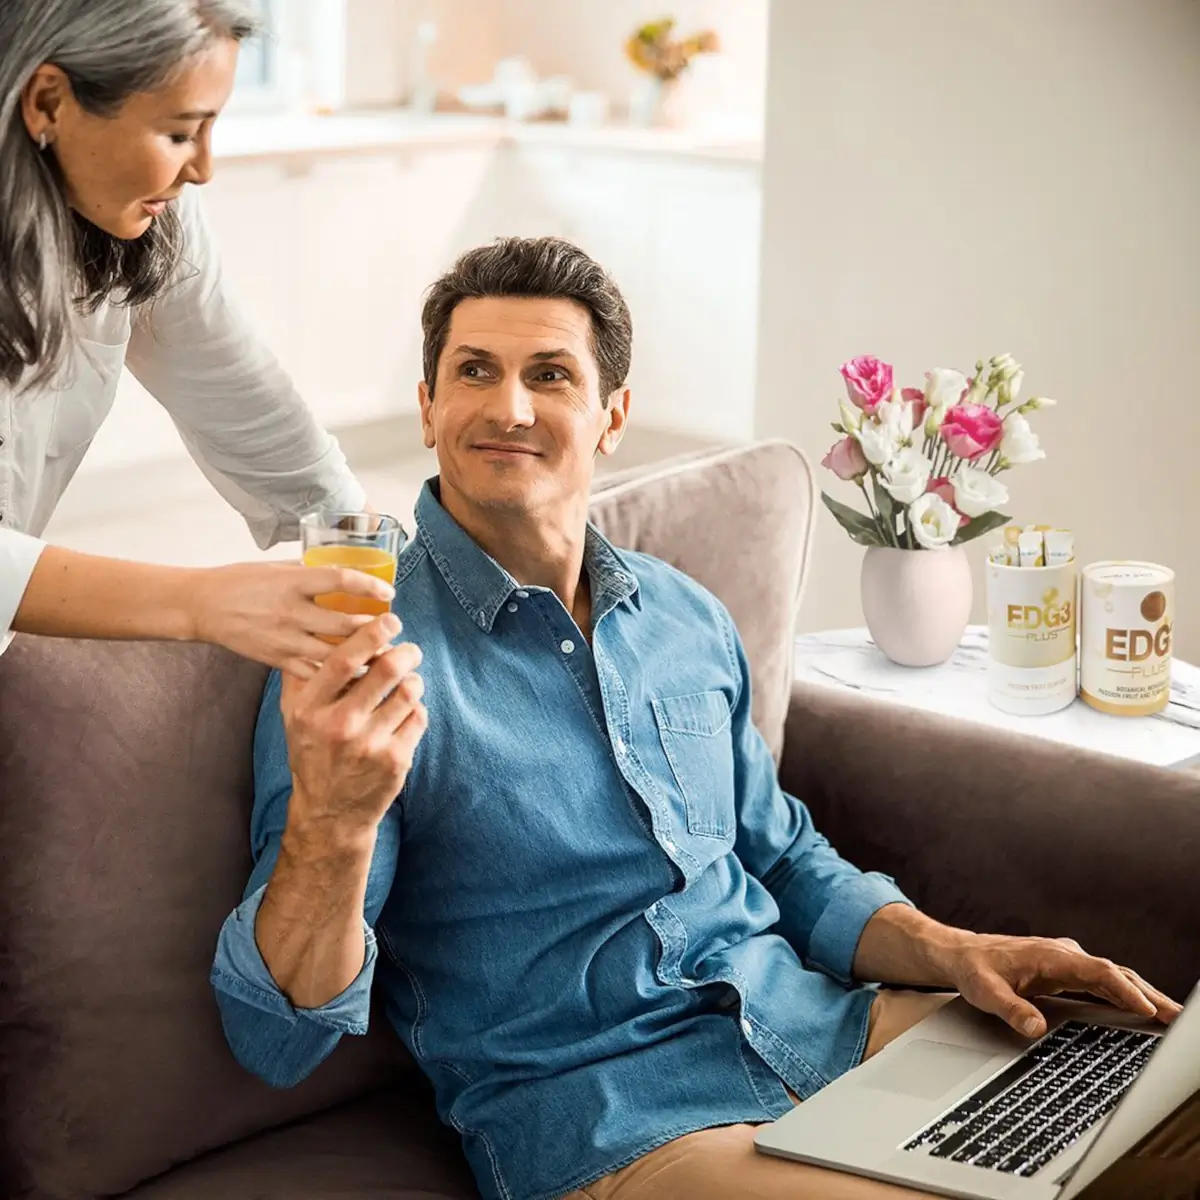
x=947, y=179
x=380, y=37
x=375, y=35
x=584, y=40
x=581, y=39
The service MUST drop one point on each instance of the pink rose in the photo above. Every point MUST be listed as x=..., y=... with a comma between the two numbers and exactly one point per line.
x=868, y=382
x=916, y=397
x=972, y=430
x=846, y=459
x=941, y=486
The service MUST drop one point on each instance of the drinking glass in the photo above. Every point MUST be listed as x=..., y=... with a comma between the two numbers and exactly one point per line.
x=368, y=542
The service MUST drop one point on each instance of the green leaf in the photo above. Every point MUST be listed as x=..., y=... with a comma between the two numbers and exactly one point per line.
x=979, y=526
x=886, y=506
x=859, y=526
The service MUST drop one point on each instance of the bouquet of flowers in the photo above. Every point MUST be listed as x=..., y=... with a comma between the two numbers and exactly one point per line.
x=651, y=49
x=928, y=460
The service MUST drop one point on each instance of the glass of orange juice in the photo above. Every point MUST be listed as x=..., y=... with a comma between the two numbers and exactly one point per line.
x=369, y=542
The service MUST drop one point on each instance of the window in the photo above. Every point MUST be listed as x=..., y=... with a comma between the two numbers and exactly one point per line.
x=300, y=50
x=260, y=85
x=258, y=63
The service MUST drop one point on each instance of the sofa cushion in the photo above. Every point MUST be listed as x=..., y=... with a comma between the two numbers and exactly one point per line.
x=389, y=1146
x=739, y=521
x=124, y=841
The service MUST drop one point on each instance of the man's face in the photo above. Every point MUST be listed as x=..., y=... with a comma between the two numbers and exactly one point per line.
x=517, y=416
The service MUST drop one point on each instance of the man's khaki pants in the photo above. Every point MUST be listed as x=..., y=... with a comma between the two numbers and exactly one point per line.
x=722, y=1163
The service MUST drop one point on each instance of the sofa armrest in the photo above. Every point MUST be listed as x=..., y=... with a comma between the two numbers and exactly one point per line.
x=1006, y=834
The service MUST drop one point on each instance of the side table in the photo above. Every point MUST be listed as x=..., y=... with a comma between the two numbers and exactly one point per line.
x=848, y=659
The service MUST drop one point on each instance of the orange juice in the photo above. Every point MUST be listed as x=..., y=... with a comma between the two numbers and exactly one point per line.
x=368, y=559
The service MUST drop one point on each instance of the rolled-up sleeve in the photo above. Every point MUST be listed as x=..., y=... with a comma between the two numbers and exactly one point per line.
x=239, y=970
x=19, y=554
x=236, y=409
x=824, y=901
x=268, y=1035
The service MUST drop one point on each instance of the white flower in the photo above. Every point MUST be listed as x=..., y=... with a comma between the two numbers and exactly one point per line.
x=877, y=442
x=897, y=416
x=1010, y=389
x=934, y=523
x=851, y=417
x=883, y=435
x=976, y=492
x=944, y=387
x=1020, y=443
x=906, y=475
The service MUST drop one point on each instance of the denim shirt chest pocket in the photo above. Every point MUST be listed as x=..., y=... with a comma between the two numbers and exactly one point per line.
x=697, y=738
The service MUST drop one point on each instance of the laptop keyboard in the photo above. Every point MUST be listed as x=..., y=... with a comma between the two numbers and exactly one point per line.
x=1042, y=1102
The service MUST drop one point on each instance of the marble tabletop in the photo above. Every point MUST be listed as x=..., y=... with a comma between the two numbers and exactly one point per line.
x=848, y=659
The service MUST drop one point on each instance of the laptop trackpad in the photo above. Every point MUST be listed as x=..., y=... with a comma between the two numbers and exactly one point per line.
x=924, y=1069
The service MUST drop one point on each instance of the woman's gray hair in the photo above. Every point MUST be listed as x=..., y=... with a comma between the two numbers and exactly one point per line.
x=53, y=263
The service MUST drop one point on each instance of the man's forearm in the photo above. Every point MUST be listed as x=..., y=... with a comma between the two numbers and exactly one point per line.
x=309, y=929
x=902, y=945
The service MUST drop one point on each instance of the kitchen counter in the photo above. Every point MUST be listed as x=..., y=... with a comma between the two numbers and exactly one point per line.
x=285, y=137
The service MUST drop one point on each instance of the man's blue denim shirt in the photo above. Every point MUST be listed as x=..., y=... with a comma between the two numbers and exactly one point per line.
x=595, y=919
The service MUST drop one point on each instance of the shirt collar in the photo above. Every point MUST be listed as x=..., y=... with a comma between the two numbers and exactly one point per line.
x=482, y=586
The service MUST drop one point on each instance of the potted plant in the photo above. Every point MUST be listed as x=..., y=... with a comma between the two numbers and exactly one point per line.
x=663, y=60
x=929, y=463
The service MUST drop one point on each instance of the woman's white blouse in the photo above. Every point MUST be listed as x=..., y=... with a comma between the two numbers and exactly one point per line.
x=236, y=410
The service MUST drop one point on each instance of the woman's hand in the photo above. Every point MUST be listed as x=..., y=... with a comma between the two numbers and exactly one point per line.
x=267, y=611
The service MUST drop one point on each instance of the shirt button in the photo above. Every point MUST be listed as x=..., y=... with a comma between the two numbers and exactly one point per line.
x=567, y=646
x=747, y=1028
x=512, y=608
x=523, y=595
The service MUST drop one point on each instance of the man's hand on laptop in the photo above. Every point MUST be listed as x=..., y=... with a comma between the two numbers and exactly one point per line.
x=352, y=731
x=997, y=973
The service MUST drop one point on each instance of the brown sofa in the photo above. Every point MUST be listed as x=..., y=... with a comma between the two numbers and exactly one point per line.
x=125, y=791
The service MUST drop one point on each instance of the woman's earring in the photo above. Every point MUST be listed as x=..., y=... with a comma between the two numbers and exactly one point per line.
x=42, y=141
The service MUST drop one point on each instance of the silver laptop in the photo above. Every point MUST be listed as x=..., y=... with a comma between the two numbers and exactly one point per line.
x=961, y=1106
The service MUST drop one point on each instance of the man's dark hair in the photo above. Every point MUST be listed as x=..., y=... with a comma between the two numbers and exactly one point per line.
x=546, y=268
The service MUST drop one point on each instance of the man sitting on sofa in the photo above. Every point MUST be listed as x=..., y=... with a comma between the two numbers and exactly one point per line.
x=606, y=935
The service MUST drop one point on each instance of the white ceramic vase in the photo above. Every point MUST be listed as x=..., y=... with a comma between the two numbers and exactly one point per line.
x=916, y=602
x=646, y=102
